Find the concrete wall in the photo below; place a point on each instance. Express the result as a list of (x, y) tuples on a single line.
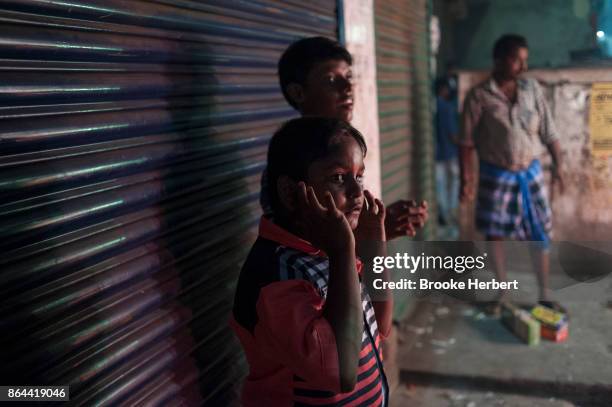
[(552, 27), (584, 210)]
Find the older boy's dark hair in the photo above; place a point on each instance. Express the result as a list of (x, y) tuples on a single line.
[(298, 144), (507, 44), (301, 56)]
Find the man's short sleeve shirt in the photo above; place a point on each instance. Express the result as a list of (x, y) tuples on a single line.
[(509, 135)]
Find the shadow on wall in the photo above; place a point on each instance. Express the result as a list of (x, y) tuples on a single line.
[(222, 208)]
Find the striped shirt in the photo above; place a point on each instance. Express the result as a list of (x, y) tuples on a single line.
[(289, 345)]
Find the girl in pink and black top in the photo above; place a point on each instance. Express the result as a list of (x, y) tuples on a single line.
[(309, 329)]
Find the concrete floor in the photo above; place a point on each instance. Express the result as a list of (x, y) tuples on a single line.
[(451, 354), (454, 397)]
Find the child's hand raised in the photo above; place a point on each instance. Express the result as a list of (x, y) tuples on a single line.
[(372, 219), (325, 226)]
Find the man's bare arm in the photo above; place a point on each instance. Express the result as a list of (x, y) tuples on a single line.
[(466, 162)]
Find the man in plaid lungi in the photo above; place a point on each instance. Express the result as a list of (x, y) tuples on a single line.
[(507, 122)]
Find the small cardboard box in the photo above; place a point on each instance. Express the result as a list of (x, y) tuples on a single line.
[(521, 323), (554, 324), (555, 334), (548, 316)]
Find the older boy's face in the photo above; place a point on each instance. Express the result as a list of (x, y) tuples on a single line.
[(328, 91), (341, 173)]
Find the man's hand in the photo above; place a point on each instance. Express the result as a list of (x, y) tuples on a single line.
[(557, 170), (371, 220), (404, 218), (467, 190), (558, 178), (325, 226)]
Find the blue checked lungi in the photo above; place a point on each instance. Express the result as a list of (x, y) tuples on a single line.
[(513, 204)]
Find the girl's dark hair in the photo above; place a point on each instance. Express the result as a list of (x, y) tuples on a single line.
[(507, 44), (298, 60), (298, 144)]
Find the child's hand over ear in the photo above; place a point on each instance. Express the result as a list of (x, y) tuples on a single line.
[(372, 220), (325, 226)]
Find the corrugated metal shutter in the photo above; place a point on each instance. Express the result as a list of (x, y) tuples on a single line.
[(132, 139), (422, 109), (404, 105)]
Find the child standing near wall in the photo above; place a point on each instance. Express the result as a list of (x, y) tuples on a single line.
[(301, 311)]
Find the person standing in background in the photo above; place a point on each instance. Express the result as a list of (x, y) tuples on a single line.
[(506, 120), (447, 166)]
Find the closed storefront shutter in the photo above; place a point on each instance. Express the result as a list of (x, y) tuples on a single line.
[(404, 105), (132, 139), (422, 109)]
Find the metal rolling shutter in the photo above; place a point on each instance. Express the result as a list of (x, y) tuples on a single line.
[(422, 109), (394, 98), (132, 139), (404, 105)]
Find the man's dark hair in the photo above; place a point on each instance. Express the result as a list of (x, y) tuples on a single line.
[(301, 56), (298, 144), (507, 44)]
